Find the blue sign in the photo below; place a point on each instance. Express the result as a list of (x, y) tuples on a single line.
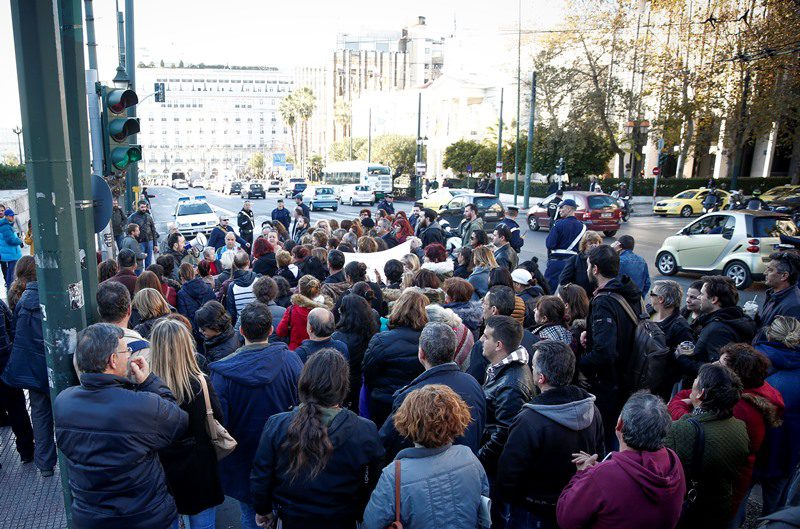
[(102, 200), (279, 159), (469, 168), (290, 167)]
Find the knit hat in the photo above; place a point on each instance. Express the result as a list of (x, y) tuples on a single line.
[(9, 212)]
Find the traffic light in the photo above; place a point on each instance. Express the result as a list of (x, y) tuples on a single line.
[(117, 127)]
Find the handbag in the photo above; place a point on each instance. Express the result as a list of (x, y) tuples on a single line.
[(695, 466), (396, 524), (223, 442)]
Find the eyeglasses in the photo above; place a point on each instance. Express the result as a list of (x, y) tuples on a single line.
[(654, 295), (126, 350)]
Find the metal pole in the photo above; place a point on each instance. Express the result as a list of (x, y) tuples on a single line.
[(369, 138), (418, 186), (738, 161), (519, 78), (71, 14), (18, 132), (37, 48), (91, 41), (499, 147), (529, 150), (132, 171)]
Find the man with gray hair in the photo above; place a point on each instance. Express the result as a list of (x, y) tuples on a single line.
[(536, 462), (118, 399), (642, 485), (320, 326), (437, 348)]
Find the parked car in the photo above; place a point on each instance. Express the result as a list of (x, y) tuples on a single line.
[(440, 197), (736, 244), (490, 209), (274, 186), (357, 194), (780, 192), (598, 211), (295, 188), (232, 188), (322, 198), (194, 215), (688, 203), (788, 204), (253, 190)]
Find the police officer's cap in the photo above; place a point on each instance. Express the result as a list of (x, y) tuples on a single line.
[(569, 202)]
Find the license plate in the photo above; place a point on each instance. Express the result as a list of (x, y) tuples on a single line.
[(606, 215)]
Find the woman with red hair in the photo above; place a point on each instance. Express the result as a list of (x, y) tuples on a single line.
[(436, 260), (264, 261), (403, 228)]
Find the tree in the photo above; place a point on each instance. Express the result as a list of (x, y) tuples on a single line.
[(289, 113), (256, 164), (342, 114), (395, 150), (340, 150), (305, 103)]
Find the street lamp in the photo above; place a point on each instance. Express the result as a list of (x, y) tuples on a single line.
[(638, 130), (18, 131)]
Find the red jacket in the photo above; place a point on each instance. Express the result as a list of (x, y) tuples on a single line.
[(759, 408), (631, 489), (293, 323), (169, 294)]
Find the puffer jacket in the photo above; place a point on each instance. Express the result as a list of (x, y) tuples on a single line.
[(253, 384), (470, 312), (536, 463), (506, 391), (193, 295), (340, 491), (479, 279), (439, 488), (114, 472), (390, 362), (147, 228), (783, 442), (295, 318), (222, 345), (240, 293), (721, 327), (10, 243), (27, 367)]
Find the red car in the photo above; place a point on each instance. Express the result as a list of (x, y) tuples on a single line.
[(597, 210)]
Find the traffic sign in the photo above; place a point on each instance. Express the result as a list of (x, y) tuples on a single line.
[(102, 200), (421, 167), (469, 168), (290, 167), (499, 168), (656, 171), (279, 159)]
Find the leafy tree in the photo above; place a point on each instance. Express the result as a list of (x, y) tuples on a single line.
[(256, 164), (340, 150), (458, 155), (396, 151), (342, 114), (290, 113)]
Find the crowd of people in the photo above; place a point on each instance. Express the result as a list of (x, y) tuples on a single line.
[(466, 390)]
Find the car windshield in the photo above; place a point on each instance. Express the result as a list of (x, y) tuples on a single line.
[(773, 227), (488, 203), (601, 201), (255, 186), (195, 209), (686, 195), (325, 191)]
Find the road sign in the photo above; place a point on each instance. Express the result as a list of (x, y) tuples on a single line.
[(160, 93), (499, 167), (102, 200), (289, 167), (656, 171), (469, 168), (279, 159), (421, 167)]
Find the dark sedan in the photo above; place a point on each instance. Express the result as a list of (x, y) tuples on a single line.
[(490, 209), (253, 191)]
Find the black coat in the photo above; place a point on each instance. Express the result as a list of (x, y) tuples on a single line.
[(145, 327), (337, 496), (356, 346), (478, 364), (506, 393), (676, 330), (575, 272), (464, 385), (6, 334), (288, 276), (530, 296), (221, 345), (190, 463), (461, 271), (110, 432), (719, 328), (536, 463), (390, 362), (266, 265), (432, 234), (338, 277)]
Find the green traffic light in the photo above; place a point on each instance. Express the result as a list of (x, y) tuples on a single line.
[(121, 157)]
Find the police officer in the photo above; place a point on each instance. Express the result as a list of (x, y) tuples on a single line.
[(509, 220), (562, 242), (553, 206), (387, 204), (247, 222)]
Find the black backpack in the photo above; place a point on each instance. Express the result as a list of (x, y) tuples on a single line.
[(648, 361)]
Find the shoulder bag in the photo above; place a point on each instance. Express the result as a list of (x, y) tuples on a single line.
[(222, 441), (396, 524), (689, 510)]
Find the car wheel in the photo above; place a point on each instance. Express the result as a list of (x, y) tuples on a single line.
[(335, 208), (739, 273), (686, 211), (533, 224), (665, 262), (351, 202), (610, 233)]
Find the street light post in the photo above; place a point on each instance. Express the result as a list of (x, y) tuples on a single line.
[(18, 132)]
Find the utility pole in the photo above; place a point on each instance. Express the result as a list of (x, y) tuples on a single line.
[(499, 167), (18, 132), (369, 138), (529, 150), (519, 80), (132, 171), (40, 75), (738, 160), (417, 171), (71, 16)]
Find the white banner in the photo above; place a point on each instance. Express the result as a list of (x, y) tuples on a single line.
[(376, 261)]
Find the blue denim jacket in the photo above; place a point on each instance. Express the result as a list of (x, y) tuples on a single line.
[(635, 267)]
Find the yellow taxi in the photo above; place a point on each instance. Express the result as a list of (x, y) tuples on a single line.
[(688, 203), (436, 200), (779, 192)]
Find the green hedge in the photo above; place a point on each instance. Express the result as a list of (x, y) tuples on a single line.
[(12, 177)]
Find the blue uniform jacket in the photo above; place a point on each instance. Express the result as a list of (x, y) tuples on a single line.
[(283, 216), (217, 237), (563, 233), (516, 241)]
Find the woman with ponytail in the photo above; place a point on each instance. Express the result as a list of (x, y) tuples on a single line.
[(316, 465), (293, 323)]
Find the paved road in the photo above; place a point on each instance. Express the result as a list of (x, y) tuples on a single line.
[(649, 232)]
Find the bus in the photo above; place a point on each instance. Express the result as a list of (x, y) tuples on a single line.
[(378, 177)]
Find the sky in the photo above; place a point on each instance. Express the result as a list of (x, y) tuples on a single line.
[(269, 32)]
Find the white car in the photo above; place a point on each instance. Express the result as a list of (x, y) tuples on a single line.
[(357, 194), (273, 186), (194, 215), (180, 183)]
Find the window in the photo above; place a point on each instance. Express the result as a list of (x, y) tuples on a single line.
[(194, 209), (773, 227), (686, 195), (488, 204), (601, 201), (712, 225), (457, 203)]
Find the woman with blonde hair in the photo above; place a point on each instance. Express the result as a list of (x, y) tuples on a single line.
[(410, 262), (293, 323), (483, 262), (151, 307), (190, 465), (431, 417), (367, 245), (390, 361), (575, 269)]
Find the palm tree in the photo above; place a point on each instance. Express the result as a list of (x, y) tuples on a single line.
[(306, 104), (288, 110), (342, 115)]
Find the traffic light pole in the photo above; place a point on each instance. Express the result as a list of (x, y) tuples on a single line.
[(70, 14), (526, 199), (40, 76), (132, 171), (499, 149)]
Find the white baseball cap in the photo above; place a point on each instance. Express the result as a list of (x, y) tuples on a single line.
[(521, 276)]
